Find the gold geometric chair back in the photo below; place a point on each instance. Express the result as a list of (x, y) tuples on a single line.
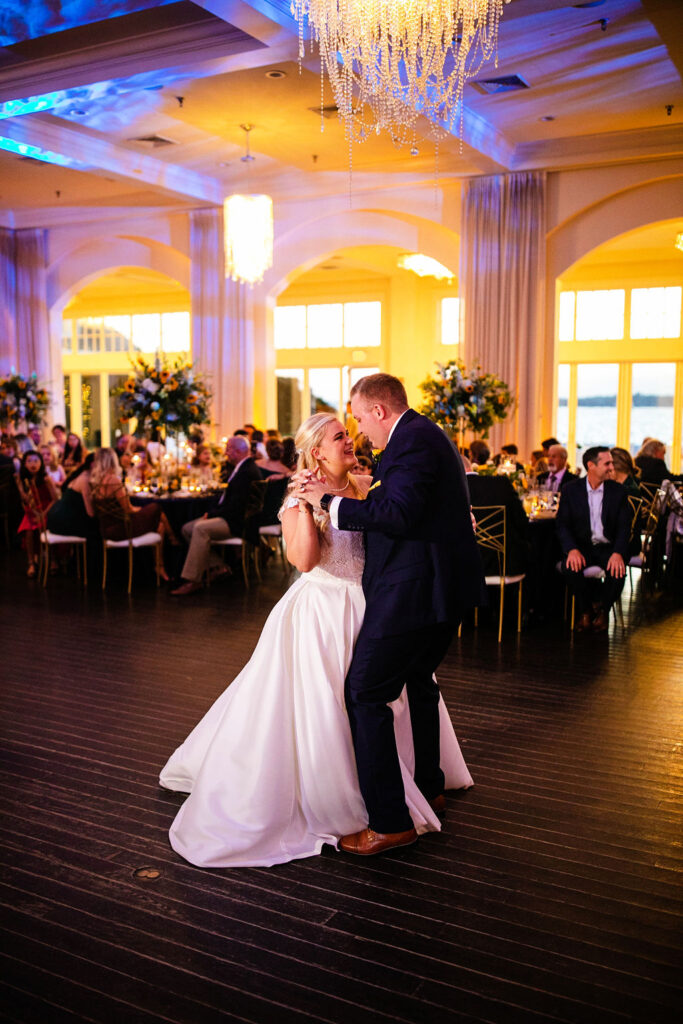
[(108, 508), (649, 494), (491, 535)]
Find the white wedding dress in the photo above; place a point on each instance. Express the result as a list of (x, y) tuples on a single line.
[(270, 769)]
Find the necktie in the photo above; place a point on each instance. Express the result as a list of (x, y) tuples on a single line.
[(553, 481)]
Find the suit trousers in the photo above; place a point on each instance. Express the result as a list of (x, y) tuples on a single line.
[(378, 672), (588, 591), (199, 533)]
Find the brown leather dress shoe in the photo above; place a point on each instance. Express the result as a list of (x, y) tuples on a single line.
[(583, 623), (438, 804), (600, 622), (366, 843), (186, 588)]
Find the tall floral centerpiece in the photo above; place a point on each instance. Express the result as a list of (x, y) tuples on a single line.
[(22, 400), (169, 397), (459, 399)]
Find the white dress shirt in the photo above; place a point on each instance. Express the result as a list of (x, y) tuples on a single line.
[(554, 484), (595, 508), (334, 504)]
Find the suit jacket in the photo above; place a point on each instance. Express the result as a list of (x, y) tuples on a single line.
[(569, 477), (652, 470), (233, 504), (497, 490), (573, 518), (421, 563)]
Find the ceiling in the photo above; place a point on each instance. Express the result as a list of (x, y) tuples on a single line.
[(139, 104)]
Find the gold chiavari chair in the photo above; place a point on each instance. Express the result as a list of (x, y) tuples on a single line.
[(492, 536)]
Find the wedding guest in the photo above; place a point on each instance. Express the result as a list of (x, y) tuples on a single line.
[(625, 471), (650, 462), (497, 490), (119, 519), (156, 449), (36, 435), (539, 463), (73, 453), (59, 435), (594, 525), (202, 467), (273, 465), (273, 435), (509, 453), (74, 514), (289, 456), (24, 443), (38, 493), (225, 518), (8, 448), (363, 466), (558, 475), (362, 446), (258, 448), (125, 462), (548, 443), (53, 467)]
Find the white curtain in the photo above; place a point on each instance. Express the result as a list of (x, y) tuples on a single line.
[(8, 289), (502, 285), (32, 324), (222, 339)]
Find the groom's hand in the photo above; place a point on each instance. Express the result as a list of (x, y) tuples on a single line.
[(309, 487)]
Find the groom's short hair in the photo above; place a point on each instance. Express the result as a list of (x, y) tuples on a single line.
[(383, 389)]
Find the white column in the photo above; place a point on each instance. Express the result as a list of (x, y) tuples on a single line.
[(105, 419), (238, 358), (55, 384), (76, 386)]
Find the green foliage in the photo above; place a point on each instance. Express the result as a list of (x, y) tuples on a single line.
[(457, 398)]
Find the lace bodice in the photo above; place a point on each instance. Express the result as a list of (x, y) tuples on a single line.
[(342, 555)]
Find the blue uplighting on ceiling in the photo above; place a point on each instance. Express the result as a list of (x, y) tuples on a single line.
[(21, 20), (36, 153), (32, 105)]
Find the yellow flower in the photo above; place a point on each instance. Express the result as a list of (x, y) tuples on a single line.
[(172, 383), (164, 376), (130, 384)]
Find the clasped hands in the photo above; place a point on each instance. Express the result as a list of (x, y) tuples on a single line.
[(615, 566), (308, 487)]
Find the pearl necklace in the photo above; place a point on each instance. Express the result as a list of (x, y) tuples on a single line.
[(338, 490)]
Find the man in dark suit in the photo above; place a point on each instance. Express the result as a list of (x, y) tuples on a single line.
[(421, 570), (225, 519), (558, 475), (497, 490), (593, 526)]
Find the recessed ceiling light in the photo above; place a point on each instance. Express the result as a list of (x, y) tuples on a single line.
[(76, 112), (547, 117), (276, 73)]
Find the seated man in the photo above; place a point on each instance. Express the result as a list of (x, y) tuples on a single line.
[(225, 519), (497, 490), (593, 526), (559, 474)]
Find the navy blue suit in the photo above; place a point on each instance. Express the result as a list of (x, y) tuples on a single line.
[(422, 568)]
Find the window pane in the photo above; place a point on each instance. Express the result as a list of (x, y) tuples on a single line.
[(290, 327), (325, 325), (362, 324), (563, 402), (596, 413), (656, 313), (146, 332), (600, 315), (175, 332), (290, 386), (88, 331), (324, 387), (116, 331), (356, 372), (450, 321), (67, 328), (567, 304), (652, 408)]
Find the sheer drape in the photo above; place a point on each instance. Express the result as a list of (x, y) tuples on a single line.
[(502, 284), (221, 324), (32, 325), (8, 286)]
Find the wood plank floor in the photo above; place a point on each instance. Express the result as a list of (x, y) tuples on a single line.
[(553, 893)]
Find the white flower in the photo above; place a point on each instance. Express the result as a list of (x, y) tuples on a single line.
[(150, 386)]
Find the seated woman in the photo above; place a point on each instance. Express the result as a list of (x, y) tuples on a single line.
[(52, 465), (272, 465), (650, 462), (202, 467), (74, 514), (625, 471), (73, 453), (118, 519), (38, 493)]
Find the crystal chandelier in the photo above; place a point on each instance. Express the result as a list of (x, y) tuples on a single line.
[(248, 232), (679, 241), (390, 61)]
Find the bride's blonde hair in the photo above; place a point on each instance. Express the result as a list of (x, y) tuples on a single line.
[(309, 436)]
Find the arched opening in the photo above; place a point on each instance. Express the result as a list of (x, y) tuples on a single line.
[(122, 313), (355, 312), (619, 343)]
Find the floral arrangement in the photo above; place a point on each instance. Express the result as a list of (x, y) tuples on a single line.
[(459, 399), (22, 399), (160, 395)]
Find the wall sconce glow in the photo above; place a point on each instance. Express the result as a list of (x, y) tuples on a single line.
[(36, 153), (679, 241), (248, 237), (425, 266)]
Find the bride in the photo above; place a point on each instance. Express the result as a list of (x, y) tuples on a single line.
[(270, 769)]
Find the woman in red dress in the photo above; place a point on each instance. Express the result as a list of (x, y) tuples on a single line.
[(38, 494)]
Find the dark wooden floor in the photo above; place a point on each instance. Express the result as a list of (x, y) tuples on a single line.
[(553, 894)]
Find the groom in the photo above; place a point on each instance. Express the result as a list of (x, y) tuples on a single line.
[(422, 569)]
